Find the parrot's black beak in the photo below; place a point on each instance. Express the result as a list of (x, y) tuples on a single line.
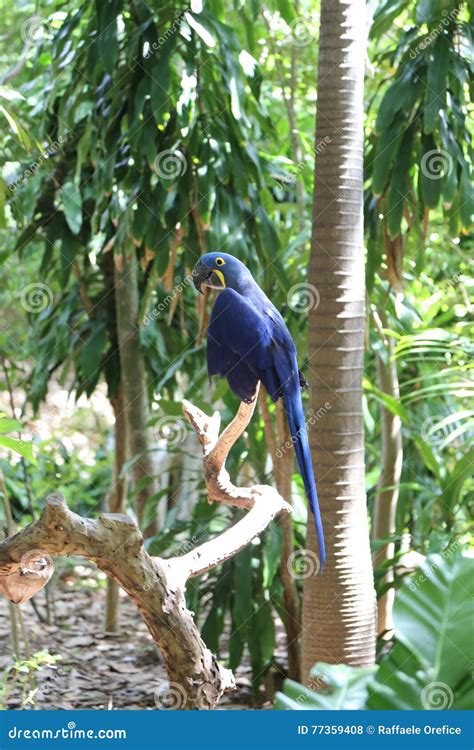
[(201, 273)]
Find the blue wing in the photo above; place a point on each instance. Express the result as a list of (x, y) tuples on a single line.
[(248, 342), (238, 343)]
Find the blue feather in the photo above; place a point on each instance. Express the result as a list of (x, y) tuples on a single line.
[(296, 421), (249, 341)]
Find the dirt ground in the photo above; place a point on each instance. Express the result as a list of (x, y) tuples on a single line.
[(98, 670)]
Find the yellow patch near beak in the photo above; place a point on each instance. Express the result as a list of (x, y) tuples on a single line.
[(220, 275)]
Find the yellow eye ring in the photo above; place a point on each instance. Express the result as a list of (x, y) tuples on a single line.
[(220, 261)]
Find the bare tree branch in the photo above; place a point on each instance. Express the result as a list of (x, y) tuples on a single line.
[(157, 586)]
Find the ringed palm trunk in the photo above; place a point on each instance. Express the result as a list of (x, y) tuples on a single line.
[(339, 605)]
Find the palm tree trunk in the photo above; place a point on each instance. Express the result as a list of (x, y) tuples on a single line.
[(339, 605)]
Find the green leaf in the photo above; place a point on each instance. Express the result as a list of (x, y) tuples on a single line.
[(69, 249), (271, 552), (161, 78), (387, 149), (91, 353), (399, 186), (287, 10), (432, 168), (342, 687), (455, 480), (200, 30), (107, 11), (236, 649), (22, 447), (437, 78), (263, 627), (9, 425), (427, 668), (467, 196), (243, 608), (72, 206)]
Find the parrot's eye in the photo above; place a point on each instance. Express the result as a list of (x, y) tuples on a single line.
[(220, 261)]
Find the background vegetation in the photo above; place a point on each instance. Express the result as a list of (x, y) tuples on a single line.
[(136, 136)]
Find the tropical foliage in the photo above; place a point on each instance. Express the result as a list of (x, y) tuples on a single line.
[(166, 130)]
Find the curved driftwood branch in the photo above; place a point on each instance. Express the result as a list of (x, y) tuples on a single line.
[(157, 586)]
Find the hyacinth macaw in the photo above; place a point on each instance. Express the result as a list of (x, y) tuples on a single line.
[(249, 341)]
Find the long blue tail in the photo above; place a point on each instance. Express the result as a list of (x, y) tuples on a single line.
[(296, 421)]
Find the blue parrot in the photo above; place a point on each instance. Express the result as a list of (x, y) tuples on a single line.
[(249, 341)]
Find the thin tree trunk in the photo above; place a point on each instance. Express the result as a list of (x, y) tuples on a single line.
[(283, 470), (339, 605), (117, 499), (134, 386), (386, 499)]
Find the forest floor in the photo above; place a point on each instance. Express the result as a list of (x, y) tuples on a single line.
[(96, 670)]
